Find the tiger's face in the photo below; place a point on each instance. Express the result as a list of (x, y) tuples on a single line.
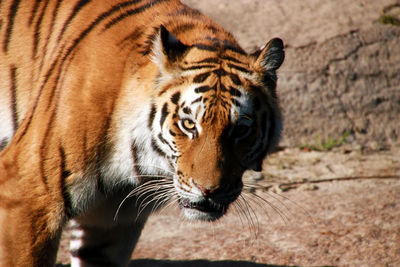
[(213, 120), (212, 114)]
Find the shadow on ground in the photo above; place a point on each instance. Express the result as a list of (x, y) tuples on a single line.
[(191, 263)]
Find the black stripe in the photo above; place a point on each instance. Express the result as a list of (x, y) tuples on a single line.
[(164, 114), (206, 47), (197, 67), (225, 57), (175, 98), (220, 72), (239, 68), (216, 41), (223, 88), (36, 34), (3, 143), (64, 188), (161, 138), (42, 150), (201, 77), (52, 93), (187, 110), (236, 103), (13, 93), (34, 11), (135, 157), (149, 42), (11, 17), (202, 89), (74, 12), (235, 79), (152, 115), (182, 28), (235, 92), (53, 19), (212, 29), (175, 115), (186, 12), (197, 100), (233, 47), (208, 60), (131, 12), (156, 148)]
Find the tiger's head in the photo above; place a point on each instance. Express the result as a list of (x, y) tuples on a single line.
[(213, 115)]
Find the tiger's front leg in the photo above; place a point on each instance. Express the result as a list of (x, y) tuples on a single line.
[(99, 238), (103, 246)]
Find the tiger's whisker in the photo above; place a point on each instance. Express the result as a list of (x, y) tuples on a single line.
[(275, 208), (154, 167), (297, 205), (238, 211), (244, 212), (262, 207), (133, 192), (143, 204), (163, 198), (253, 216)]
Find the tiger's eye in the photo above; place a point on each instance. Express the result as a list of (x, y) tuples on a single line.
[(188, 124)]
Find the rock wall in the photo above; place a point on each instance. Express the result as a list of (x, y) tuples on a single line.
[(350, 83)]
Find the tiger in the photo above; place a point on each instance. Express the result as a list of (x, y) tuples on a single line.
[(111, 110)]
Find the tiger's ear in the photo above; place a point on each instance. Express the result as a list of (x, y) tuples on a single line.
[(172, 47), (269, 58), (167, 49)]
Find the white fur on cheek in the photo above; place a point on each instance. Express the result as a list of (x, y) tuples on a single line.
[(197, 108), (129, 123)]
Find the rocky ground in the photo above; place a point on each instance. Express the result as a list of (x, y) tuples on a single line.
[(331, 196)]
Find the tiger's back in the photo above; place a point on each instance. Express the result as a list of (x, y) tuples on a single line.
[(99, 97)]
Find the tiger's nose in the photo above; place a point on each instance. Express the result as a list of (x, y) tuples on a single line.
[(206, 190)]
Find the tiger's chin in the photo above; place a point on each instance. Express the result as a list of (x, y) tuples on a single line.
[(203, 211)]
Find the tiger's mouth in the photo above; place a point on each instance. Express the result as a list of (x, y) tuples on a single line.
[(206, 210)]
